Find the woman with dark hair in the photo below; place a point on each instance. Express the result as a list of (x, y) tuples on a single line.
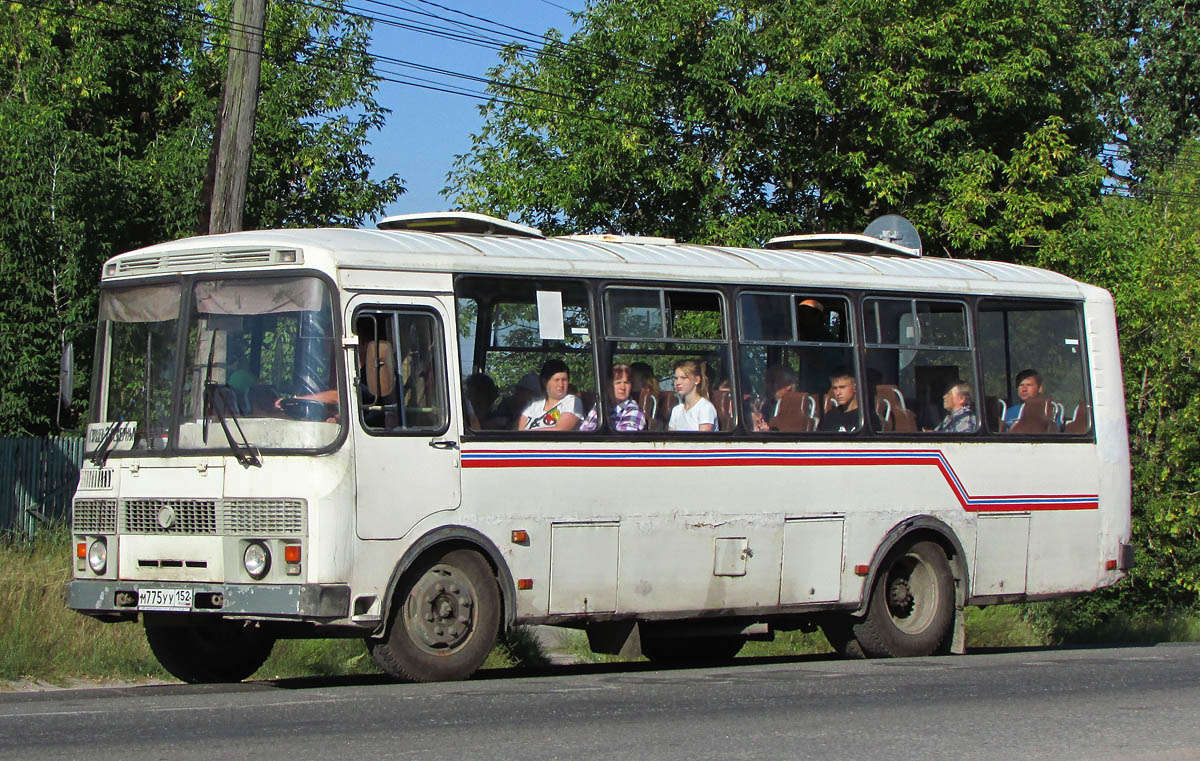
[(557, 410)]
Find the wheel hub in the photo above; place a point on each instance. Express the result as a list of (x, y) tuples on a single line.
[(900, 598), (440, 610)]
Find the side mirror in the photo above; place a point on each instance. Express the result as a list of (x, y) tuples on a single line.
[(66, 380)]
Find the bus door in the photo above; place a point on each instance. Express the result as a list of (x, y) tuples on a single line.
[(405, 439)]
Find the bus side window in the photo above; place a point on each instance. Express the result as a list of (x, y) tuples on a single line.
[(920, 366), (511, 330), (1033, 368), (791, 347), (400, 384)]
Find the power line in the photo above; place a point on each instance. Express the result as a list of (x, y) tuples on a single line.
[(395, 78)]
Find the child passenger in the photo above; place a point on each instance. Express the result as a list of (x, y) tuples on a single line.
[(694, 412)]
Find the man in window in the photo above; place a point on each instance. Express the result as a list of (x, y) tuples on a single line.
[(844, 416), (1029, 386)]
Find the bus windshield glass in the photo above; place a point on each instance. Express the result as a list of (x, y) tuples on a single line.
[(139, 327), (258, 366)]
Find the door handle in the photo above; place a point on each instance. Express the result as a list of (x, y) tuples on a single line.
[(444, 444)]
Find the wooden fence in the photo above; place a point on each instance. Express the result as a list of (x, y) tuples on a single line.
[(37, 480)]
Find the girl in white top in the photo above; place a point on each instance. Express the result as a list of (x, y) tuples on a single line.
[(558, 410), (694, 412)]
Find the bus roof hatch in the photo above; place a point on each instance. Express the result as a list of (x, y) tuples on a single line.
[(889, 235), (457, 222)]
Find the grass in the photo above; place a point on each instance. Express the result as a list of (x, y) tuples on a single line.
[(41, 640)]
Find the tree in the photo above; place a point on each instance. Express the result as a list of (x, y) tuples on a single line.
[(1152, 105), (1146, 250), (106, 114), (720, 123)]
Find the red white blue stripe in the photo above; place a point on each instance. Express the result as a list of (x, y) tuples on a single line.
[(688, 458)]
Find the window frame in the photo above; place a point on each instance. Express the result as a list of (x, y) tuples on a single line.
[(1077, 306), (440, 370)]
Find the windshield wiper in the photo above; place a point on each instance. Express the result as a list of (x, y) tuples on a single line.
[(214, 400), (209, 388), (246, 453), (100, 456)]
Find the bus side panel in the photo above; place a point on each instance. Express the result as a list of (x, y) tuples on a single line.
[(1112, 431)]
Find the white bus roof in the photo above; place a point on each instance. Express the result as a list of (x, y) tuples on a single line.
[(331, 249)]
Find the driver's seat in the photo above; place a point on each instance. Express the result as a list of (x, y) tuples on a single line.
[(379, 394)]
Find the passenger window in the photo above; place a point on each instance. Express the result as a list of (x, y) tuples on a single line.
[(400, 375), (792, 347), (920, 372), (526, 353), (1033, 370), (673, 342)]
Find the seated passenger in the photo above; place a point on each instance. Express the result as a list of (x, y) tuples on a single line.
[(558, 410), (1029, 386), (845, 415), (625, 415), (694, 412), (961, 417), (780, 380), (758, 421), (481, 393)]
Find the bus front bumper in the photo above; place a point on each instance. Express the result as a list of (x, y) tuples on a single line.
[(295, 602)]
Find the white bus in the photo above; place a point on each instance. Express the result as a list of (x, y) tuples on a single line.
[(425, 434)]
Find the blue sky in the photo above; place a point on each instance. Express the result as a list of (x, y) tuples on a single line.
[(426, 129)]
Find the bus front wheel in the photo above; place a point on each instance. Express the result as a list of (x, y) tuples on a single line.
[(911, 611), (444, 622), (208, 652)]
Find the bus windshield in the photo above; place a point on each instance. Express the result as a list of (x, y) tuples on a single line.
[(257, 358)]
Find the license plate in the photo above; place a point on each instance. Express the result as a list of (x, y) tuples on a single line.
[(164, 599)]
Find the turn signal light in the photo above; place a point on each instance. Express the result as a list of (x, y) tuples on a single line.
[(1111, 565), (520, 536), (81, 550), (524, 583), (291, 553), (862, 570)]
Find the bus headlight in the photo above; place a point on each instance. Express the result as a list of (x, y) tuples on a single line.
[(256, 559), (97, 555)]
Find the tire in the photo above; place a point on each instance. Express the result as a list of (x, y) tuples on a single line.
[(211, 651), (444, 620), (839, 630), (691, 651), (912, 604)]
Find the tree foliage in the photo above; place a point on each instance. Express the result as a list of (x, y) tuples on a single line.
[(1152, 105), (1146, 250), (106, 117), (728, 123)]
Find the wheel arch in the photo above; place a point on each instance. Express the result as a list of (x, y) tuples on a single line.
[(917, 528), (445, 539)]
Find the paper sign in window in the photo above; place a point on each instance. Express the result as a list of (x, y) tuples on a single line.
[(550, 316)]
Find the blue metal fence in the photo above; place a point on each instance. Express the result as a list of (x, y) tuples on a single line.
[(37, 480)]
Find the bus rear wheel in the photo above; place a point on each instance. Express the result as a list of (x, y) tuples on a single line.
[(211, 651), (912, 604), (444, 622)]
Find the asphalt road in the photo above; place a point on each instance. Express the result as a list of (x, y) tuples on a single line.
[(1098, 704)]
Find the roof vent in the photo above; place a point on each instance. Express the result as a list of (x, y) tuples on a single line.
[(889, 235), (645, 240), (457, 222)]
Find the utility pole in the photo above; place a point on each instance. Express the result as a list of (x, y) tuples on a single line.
[(229, 159)]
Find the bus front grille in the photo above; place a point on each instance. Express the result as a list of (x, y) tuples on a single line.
[(170, 516), (263, 517), (209, 517), (94, 516)]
